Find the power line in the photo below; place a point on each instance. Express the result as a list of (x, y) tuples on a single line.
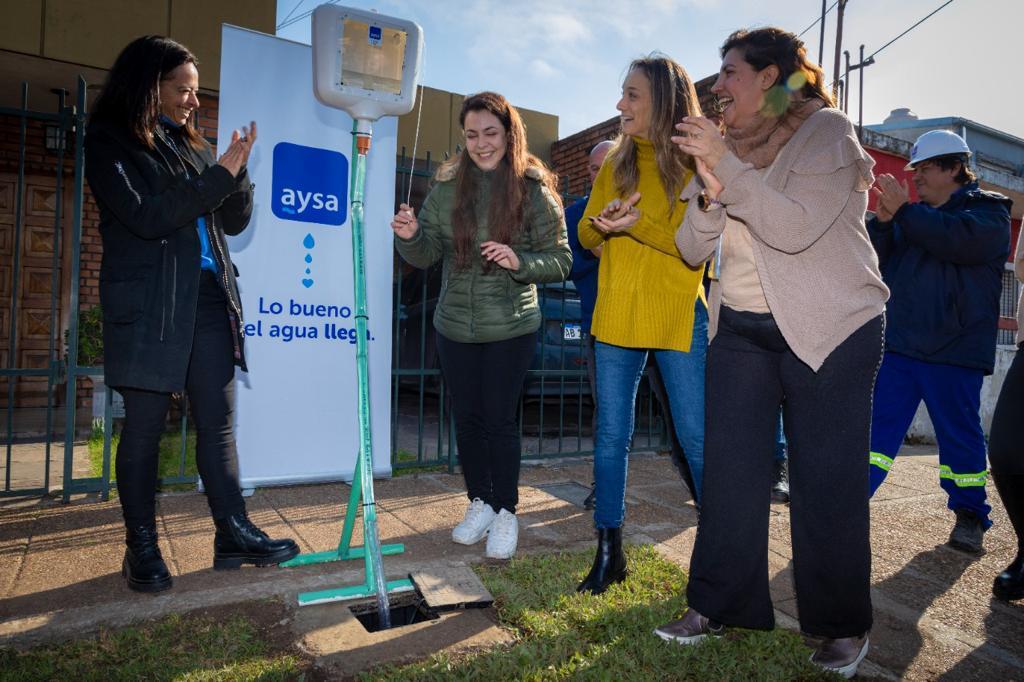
[(870, 58), (818, 20), (289, 16), (948, 2), (300, 17)]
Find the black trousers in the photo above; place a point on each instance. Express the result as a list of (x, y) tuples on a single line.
[(1006, 438), (1006, 445), (210, 386), (486, 382), (750, 372)]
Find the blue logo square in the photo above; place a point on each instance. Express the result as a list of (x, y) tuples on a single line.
[(310, 185)]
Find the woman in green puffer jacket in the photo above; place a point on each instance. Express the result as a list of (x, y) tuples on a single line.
[(495, 220)]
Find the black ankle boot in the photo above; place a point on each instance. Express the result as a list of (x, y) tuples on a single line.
[(1009, 584), (609, 563), (239, 542), (143, 566)]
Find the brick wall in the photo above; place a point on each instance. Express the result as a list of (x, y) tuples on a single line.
[(569, 156)]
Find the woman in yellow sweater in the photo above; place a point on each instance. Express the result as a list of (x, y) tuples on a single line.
[(648, 298)]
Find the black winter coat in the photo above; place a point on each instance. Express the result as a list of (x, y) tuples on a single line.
[(149, 201), (944, 267)]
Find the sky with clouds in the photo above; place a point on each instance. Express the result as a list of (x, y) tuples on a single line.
[(568, 57)]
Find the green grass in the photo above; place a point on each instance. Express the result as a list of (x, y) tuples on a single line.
[(402, 467), (170, 454), (180, 648), (561, 635)]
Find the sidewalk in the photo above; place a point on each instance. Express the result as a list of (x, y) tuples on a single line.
[(60, 565)]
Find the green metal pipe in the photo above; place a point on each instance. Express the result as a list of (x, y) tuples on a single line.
[(76, 266), (12, 336), (54, 279), (371, 539)]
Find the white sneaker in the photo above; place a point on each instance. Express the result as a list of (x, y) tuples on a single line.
[(475, 524), (503, 536)]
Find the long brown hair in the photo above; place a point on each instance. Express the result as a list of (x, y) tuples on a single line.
[(672, 97), (799, 78), (130, 99), (509, 184)]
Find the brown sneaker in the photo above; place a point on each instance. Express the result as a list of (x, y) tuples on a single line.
[(690, 629), (841, 655)]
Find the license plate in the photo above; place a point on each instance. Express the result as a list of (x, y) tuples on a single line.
[(572, 332)]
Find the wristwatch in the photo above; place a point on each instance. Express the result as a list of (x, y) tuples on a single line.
[(706, 203)]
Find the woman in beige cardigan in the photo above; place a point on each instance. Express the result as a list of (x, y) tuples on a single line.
[(796, 319)]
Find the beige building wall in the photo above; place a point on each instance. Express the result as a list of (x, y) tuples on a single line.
[(50, 42), (91, 33)]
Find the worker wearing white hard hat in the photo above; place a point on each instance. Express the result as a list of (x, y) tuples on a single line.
[(936, 143), (943, 259)]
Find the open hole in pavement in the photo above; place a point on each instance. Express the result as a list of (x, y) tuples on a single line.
[(405, 610)]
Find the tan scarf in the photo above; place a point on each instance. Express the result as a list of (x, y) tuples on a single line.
[(760, 141)]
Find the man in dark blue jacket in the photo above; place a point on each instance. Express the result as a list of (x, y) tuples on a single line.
[(943, 259)]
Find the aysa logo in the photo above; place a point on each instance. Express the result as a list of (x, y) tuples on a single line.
[(310, 185)]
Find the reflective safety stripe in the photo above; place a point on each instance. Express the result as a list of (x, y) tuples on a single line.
[(879, 460), (964, 480)]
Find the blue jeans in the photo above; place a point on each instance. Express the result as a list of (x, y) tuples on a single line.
[(618, 371), (780, 441)]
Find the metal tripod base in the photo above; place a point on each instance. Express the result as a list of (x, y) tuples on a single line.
[(335, 555), (352, 592)]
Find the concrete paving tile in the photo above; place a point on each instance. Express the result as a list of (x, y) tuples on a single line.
[(903, 528), (650, 469), (581, 471), (924, 650), (74, 556), (914, 473)]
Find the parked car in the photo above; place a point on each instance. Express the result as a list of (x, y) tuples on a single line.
[(558, 365)]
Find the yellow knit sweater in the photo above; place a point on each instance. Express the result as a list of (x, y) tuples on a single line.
[(645, 292)]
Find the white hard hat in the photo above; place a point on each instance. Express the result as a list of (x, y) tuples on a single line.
[(936, 143)]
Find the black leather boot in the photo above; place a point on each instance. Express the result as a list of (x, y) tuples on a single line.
[(238, 541), (1009, 584), (609, 563), (143, 566)]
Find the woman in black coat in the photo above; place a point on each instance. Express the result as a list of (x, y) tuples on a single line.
[(172, 317)]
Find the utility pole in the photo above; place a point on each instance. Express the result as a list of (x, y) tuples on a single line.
[(821, 34), (840, 9), (860, 97)]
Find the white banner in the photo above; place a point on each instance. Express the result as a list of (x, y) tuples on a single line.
[(297, 416)]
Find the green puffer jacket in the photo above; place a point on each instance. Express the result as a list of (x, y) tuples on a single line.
[(475, 306)]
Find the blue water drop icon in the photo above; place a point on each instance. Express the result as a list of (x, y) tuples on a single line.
[(308, 242), (309, 258), (307, 271)]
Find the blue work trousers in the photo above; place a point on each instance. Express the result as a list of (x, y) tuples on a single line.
[(953, 397)]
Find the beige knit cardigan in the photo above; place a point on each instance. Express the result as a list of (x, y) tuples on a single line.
[(817, 267)]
